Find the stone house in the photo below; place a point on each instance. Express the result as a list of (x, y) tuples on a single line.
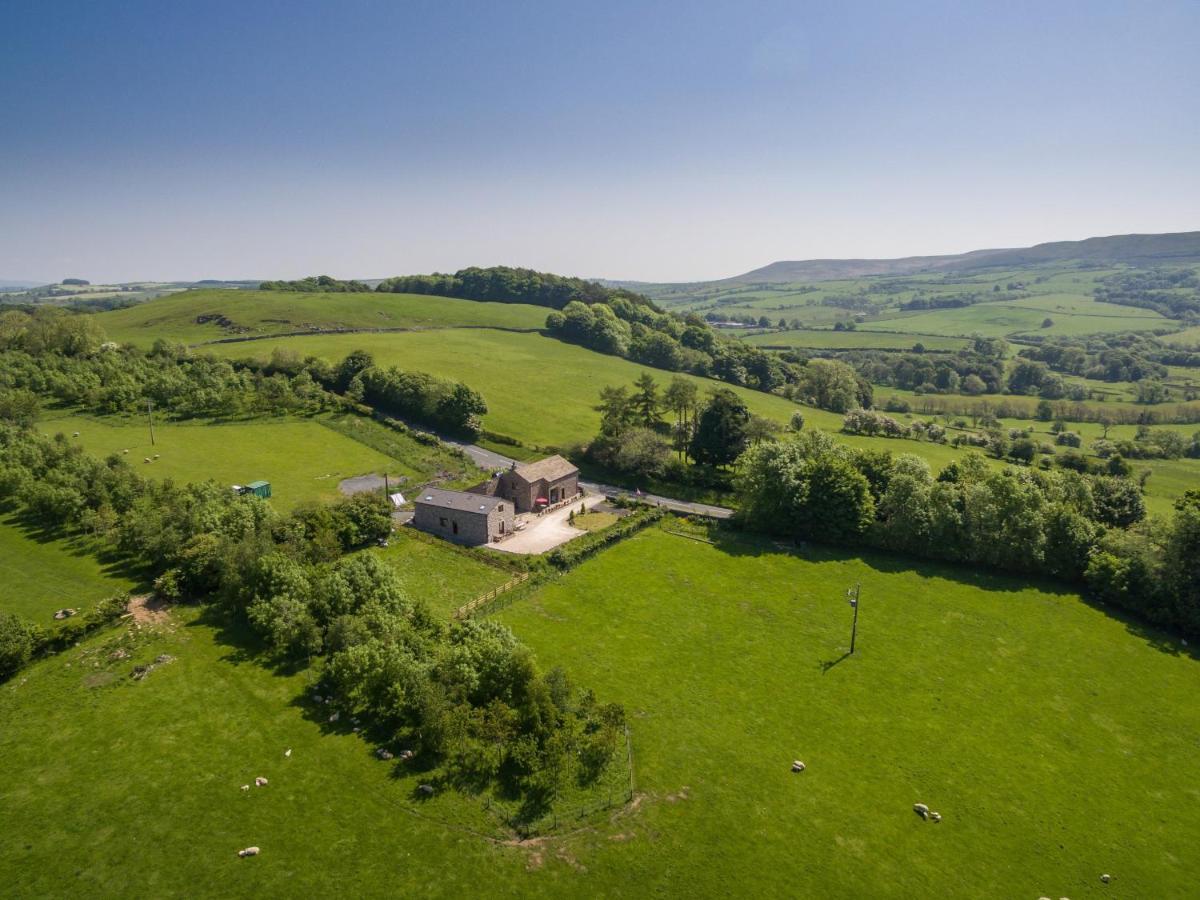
[(463, 517), (533, 486)]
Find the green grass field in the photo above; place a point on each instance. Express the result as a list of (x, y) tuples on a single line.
[(442, 574), (538, 389), (1057, 742), (301, 458), (271, 312), (1001, 319), (1189, 337), (1062, 293), (39, 575), (853, 340)]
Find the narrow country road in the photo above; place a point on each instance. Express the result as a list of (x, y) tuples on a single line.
[(488, 459)]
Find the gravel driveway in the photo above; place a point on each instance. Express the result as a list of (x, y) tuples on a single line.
[(546, 532)]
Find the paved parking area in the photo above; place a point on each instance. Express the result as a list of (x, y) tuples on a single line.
[(542, 533)]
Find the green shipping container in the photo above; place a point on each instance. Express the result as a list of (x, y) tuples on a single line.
[(258, 488)]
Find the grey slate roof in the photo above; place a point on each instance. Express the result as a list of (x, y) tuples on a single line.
[(458, 500)]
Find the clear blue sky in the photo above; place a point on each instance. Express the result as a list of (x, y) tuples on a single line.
[(660, 141)]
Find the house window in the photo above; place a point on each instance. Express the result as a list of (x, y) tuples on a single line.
[(500, 507), (442, 521)]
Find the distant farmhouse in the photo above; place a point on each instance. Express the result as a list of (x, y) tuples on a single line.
[(485, 513), (534, 486)]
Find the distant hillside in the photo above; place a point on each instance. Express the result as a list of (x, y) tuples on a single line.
[(1128, 249)]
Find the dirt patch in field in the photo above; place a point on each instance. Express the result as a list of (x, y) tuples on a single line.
[(148, 609)]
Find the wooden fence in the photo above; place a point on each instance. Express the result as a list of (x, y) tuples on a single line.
[(465, 611)]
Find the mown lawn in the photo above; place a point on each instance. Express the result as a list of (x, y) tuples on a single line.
[(1057, 742), (301, 458), (40, 574), (272, 312)]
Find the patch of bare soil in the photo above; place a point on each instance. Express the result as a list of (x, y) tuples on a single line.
[(147, 609)]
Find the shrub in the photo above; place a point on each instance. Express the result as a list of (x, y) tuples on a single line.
[(18, 642)]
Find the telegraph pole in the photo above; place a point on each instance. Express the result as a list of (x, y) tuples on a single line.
[(150, 419), (853, 593)]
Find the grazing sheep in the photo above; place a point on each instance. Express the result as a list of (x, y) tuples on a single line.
[(249, 851), (797, 766), (426, 789), (383, 753), (260, 781), (936, 816), (334, 717), (921, 809), (245, 787), (1106, 878), (287, 752), (146, 459)]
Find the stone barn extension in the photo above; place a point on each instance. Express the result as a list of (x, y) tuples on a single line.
[(463, 517)]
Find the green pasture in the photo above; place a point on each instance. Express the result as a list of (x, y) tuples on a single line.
[(255, 313), (40, 574), (538, 389), (853, 340), (442, 574), (1000, 319), (1057, 741), (1189, 337), (561, 415), (301, 458), (121, 788), (1038, 726)]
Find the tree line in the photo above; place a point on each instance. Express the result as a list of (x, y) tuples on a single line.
[(317, 284), (1060, 523)]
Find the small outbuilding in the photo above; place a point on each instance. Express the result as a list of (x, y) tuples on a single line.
[(256, 488), (463, 517)]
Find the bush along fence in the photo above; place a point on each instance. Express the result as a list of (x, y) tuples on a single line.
[(570, 555)]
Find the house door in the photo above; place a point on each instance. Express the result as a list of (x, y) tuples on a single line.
[(502, 526)]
